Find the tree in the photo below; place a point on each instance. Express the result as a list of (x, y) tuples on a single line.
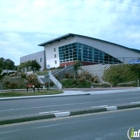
[(7, 64), (35, 65), (1, 62), (21, 66), (30, 65)]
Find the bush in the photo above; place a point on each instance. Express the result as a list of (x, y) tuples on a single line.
[(101, 85), (47, 84), (32, 79), (67, 75), (85, 76), (19, 81), (94, 79), (23, 75), (122, 73), (12, 85), (73, 83), (6, 84)]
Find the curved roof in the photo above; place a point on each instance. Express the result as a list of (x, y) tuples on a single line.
[(72, 35)]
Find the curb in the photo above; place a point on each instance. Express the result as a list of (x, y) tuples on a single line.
[(72, 113)]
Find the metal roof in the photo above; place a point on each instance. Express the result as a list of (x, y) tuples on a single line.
[(72, 35)]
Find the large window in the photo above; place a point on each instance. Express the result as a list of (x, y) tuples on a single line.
[(82, 52)]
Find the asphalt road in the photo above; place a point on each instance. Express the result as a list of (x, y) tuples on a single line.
[(102, 126), (29, 107)]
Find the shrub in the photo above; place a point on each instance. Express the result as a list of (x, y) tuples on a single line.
[(101, 85), (85, 76), (47, 84), (67, 75), (71, 76), (12, 85), (6, 84), (23, 75), (73, 83), (121, 73), (94, 79), (32, 79)]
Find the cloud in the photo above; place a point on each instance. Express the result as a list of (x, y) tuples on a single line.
[(25, 24), (13, 45)]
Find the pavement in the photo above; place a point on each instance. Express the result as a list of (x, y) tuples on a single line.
[(75, 92)]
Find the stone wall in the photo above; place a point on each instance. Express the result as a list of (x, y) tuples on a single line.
[(96, 70)]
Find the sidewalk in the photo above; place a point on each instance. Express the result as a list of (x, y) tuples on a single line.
[(92, 91), (80, 91)]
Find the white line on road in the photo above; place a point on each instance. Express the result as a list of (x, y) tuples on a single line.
[(110, 108), (98, 106), (135, 102), (62, 114), (49, 112)]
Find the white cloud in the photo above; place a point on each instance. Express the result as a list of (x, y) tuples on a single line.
[(27, 23)]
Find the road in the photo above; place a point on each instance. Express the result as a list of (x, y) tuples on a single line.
[(102, 126), (29, 107)]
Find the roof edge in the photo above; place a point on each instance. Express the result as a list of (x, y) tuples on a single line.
[(72, 34), (57, 39)]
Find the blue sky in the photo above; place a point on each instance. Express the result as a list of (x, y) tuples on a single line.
[(26, 23)]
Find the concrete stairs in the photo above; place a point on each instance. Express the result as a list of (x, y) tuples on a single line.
[(52, 76)]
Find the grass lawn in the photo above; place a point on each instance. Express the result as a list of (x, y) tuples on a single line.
[(29, 93)]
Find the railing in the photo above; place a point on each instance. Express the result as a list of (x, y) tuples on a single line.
[(56, 82)]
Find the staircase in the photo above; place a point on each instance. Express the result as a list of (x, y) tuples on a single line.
[(51, 76)]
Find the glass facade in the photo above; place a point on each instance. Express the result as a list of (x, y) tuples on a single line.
[(85, 53)]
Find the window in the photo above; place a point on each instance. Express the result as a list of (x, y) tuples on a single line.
[(54, 49), (55, 61), (40, 59), (54, 55), (78, 51)]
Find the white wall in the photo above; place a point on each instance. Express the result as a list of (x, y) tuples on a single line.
[(49, 49)]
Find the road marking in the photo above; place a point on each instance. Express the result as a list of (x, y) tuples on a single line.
[(135, 102), (11, 131), (110, 108), (62, 114), (49, 112), (98, 106)]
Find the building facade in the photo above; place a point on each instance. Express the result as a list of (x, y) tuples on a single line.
[(38, 56), (66, 49)]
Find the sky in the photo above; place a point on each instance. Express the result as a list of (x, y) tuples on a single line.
[(26, 23)]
